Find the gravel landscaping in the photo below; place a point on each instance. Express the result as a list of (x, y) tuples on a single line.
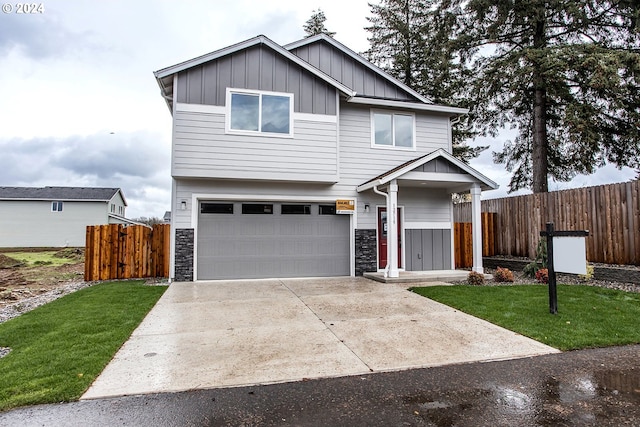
[(16, 309)]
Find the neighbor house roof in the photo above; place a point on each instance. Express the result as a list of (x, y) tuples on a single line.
[(98, 194)]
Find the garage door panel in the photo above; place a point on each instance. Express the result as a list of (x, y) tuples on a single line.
[(240, 245)]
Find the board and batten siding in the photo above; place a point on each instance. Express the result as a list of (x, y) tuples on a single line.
[(203, 149), (256, 68), (350, 72), (29, 223)]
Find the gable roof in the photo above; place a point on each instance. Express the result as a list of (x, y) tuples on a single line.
[(409, 166), (96, 194), (318, 38), (164, 76)]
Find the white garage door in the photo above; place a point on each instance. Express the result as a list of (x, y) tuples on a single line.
[(248, 240)]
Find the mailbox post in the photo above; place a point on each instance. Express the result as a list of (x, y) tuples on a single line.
[(572, 259)]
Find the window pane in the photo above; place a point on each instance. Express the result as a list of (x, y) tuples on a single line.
[(296, 209), (257, 209), (382, 129), (216, 208), (244, 111), (403, 127), (275, 114), (327, 209)]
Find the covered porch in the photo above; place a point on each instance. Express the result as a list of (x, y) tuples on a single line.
[(438, 171)]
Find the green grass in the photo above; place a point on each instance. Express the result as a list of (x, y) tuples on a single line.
[(32, 259), (60, 348), (588, 316)]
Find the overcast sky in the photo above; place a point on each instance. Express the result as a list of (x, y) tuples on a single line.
[(79, 104)]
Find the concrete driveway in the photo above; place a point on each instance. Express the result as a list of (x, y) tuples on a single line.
[(234, 333)]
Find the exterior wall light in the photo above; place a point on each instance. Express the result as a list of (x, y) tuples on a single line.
[(183, 205), (366, 208)]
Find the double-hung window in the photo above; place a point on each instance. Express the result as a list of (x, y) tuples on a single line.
[(267, 113), (392, 130)]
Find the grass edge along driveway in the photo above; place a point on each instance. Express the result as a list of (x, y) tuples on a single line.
[(588, 316), (58, 349)]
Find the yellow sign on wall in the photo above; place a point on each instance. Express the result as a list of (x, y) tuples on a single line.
[(345, 206)]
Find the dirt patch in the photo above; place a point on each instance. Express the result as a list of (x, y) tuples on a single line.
[(8, 262), (19, 281)]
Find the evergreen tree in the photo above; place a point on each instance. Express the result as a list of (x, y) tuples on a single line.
[(409, 41), (315, 24), (564, 73)]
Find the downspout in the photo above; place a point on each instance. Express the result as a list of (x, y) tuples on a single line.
[(386, 196)]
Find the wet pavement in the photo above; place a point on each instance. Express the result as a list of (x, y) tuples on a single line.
[(598, 387)]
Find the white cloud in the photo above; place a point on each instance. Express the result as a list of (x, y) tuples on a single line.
[(83, 69)]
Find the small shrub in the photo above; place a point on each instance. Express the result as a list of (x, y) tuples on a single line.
[(503, 275), (542, 275), (475, 279), (531, 269), (587, 277), (541, 252)]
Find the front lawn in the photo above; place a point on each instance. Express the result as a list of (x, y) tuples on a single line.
[(588, 316), (59, 349)]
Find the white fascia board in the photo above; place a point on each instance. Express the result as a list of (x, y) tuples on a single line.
[(246, 44), (426, 159), (408, 105), (357, 58), (121, 195)]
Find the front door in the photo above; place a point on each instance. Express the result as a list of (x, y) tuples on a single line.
[(382, 238)]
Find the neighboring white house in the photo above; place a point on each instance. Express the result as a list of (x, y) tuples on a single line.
[(56, 216), (286, 161)]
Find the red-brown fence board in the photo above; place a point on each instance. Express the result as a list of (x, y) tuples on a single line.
[(117, 252), (610, 212), (463, 240)]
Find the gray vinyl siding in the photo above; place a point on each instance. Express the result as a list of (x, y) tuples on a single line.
[(256, 68), (349, 72), (201, 148), (425, 205), (358, 164), (32, 224), (440, 166)]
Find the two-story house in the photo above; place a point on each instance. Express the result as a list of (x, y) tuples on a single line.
[(56, 216), (307, 160)]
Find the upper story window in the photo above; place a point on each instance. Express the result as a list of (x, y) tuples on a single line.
[(267, 113), (56, 206), (392, 130)]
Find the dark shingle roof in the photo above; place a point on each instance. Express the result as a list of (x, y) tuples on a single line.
[(57, 193)]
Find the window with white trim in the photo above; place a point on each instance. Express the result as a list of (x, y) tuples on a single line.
[(268, 113), (56, 206), (392, 130)]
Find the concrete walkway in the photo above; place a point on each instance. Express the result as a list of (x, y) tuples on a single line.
[(234, 333)]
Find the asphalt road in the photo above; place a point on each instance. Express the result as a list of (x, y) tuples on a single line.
[(599, 387)]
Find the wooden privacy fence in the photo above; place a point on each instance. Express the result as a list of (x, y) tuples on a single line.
[(610, 212), (463, 241), (117, 252)]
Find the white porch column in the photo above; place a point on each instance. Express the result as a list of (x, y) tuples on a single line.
[(392, 229), (476, 227)]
